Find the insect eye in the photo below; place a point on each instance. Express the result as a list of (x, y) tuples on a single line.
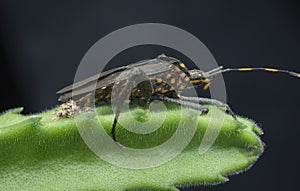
[(196, 74)]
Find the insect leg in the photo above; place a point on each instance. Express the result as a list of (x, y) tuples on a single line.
[(209, 101), (113, 129), (124, 92), (204, 110)]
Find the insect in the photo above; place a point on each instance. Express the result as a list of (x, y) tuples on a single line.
[(167, 78)]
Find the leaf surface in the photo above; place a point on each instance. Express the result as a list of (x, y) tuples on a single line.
[(37, 153)]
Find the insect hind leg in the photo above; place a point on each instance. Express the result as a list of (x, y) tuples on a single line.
[(133, 76)]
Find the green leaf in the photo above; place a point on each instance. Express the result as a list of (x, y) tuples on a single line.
[(37, 153)]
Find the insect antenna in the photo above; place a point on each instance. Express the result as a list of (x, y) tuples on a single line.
[(220, 70)]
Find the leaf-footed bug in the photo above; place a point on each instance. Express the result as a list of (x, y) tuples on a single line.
[(167, 77)]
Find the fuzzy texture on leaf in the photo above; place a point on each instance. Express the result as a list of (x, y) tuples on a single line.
[(39, 154)]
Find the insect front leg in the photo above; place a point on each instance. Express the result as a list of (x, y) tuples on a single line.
[(196, 106), (210, 101)]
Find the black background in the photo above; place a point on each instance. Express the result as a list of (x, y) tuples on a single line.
[(42, 43)]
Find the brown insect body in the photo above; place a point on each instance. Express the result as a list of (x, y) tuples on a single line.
[(166, 74), (166, 78)]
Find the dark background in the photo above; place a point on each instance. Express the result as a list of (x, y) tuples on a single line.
[(42, 43)]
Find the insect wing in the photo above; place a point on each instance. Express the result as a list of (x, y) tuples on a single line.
[(108, 78)]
